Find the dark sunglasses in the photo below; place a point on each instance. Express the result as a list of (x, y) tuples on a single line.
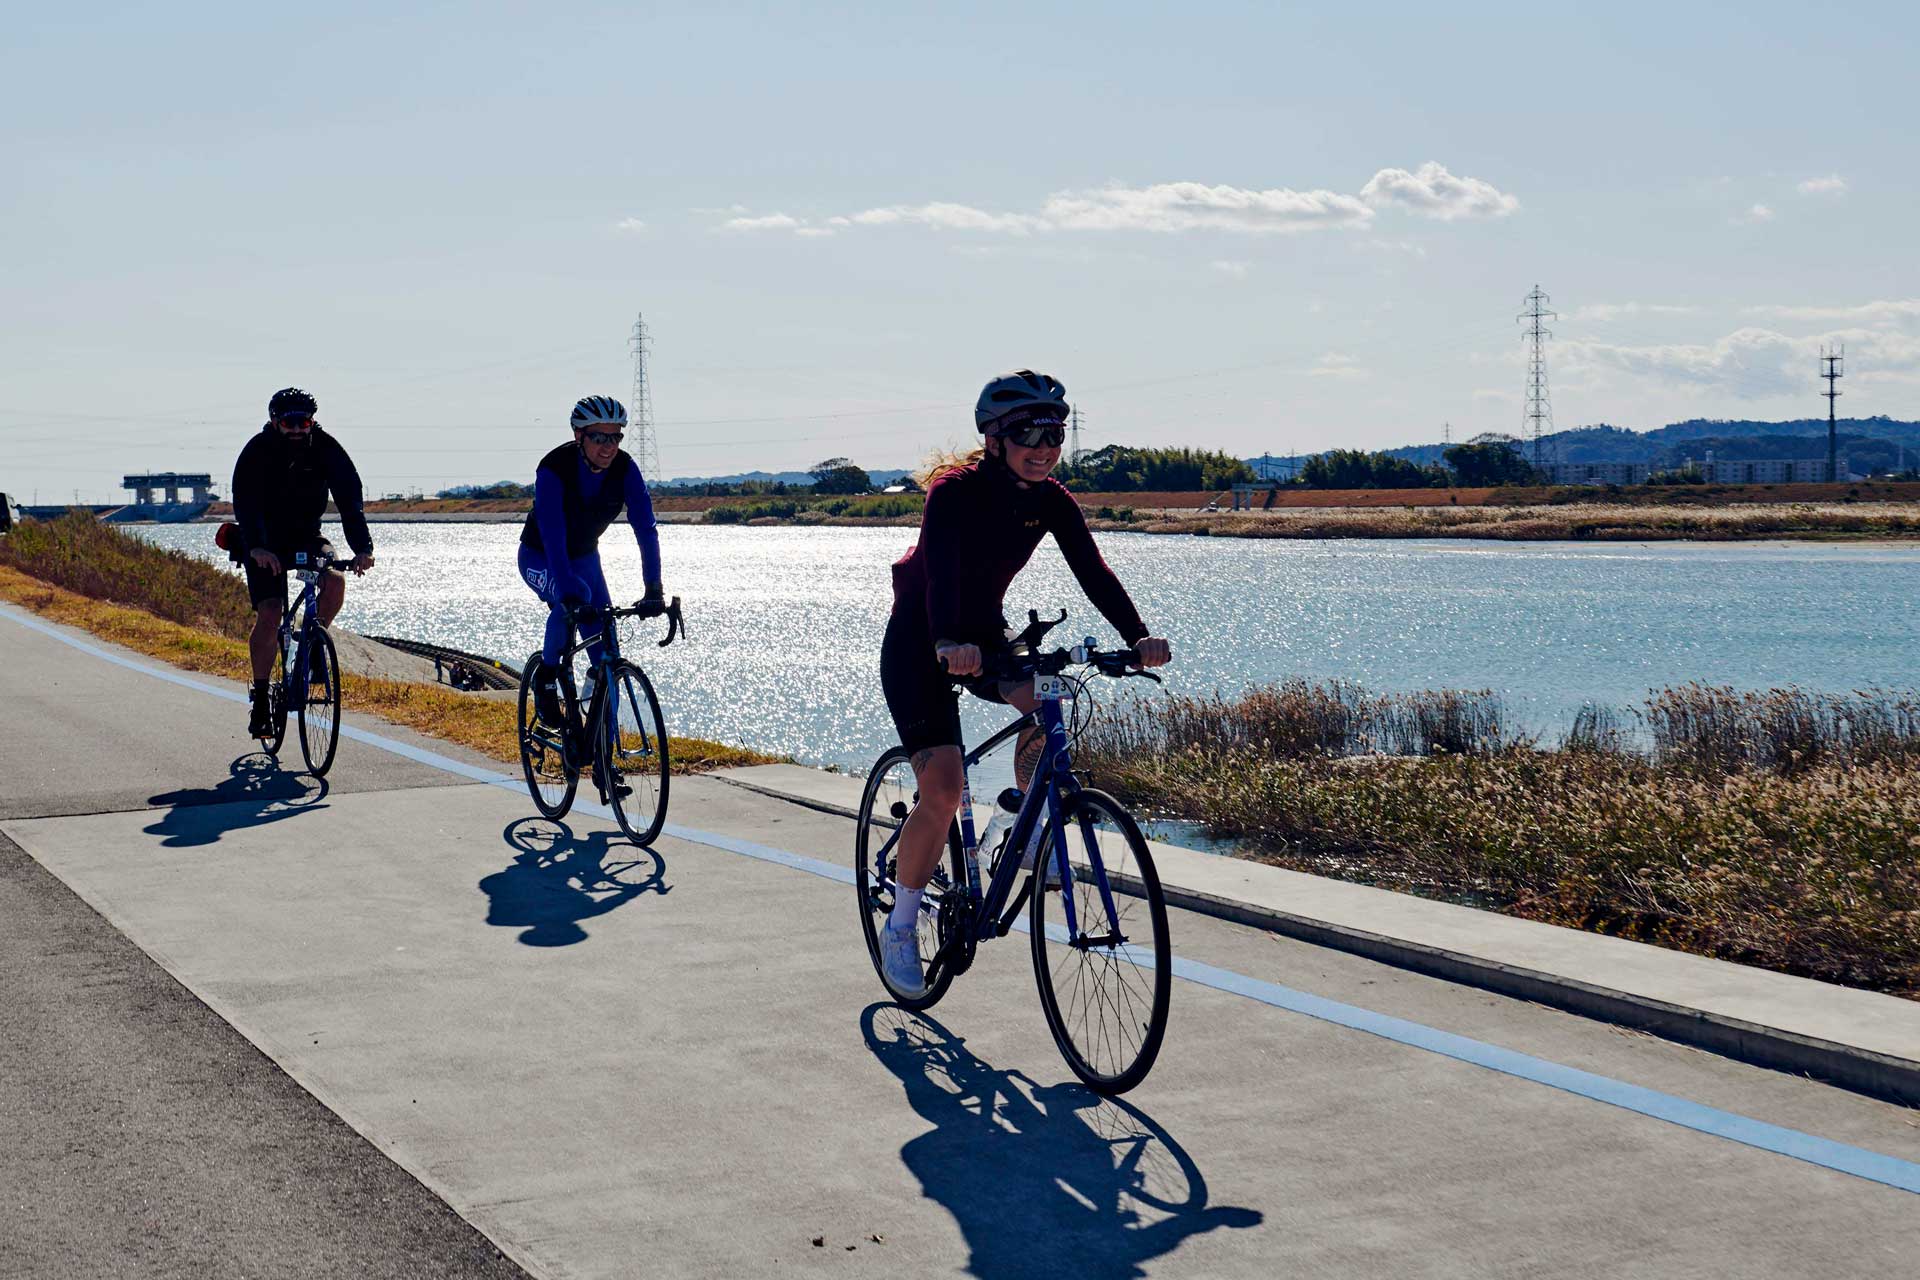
[(1035, 435), (603, 437), (295, 422)]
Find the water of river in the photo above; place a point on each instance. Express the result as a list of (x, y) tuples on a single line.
[(785, 623)]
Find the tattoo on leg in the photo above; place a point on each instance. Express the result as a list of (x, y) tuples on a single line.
[(1026, 757), (919, 760)]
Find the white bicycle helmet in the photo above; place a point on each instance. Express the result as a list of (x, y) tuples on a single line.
[(599, 411)]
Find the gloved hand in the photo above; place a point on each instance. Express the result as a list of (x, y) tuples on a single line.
[(654, 603), (574, 593)]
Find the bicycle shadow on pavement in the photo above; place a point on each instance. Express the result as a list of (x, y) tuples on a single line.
[(558, 878), (256, 792), (1049, 1180)]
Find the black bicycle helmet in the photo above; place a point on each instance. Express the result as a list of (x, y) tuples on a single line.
[(290, 401), (1021, 389)]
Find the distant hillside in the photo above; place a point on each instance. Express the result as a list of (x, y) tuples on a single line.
[(1865, 444)]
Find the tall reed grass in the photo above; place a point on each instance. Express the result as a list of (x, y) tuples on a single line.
[(1780, 828)]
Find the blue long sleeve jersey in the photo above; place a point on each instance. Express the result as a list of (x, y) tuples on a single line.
[(549, 513)]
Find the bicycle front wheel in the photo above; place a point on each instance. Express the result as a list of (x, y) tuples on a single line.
[(1104, 988), (277, 695), (319, 703), (890, 794), (632, 754), (543, 752)]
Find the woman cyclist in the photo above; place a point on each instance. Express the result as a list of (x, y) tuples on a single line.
[(579, 490), (983, 519)]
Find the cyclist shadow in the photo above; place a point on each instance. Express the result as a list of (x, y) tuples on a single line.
[(1049, 1181), (256, 792), (557, 879)]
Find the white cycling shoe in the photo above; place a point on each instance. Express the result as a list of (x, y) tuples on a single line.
[(900, 960)]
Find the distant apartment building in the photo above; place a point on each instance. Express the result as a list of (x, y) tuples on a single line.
[(1713, 470), (1766, 471), (1598, 472)]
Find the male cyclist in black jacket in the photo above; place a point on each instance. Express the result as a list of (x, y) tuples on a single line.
[(280, 488)]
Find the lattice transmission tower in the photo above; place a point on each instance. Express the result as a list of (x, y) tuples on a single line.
[(641, 442), (1832, 359), (1539, 414)]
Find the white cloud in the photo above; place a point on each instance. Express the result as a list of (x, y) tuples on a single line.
[(1888, 312), (813, 233), (1395, 246), (1758, 213), (1173, 207), (1601, 312), (1750, 363), (1226, 267), (1831, 185), (1191, 206), (1336, 365), (1432, 192), (630, 225), (943, 216), (766, 222)]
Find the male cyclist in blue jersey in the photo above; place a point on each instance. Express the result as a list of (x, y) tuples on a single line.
[(579, 490), (985, 515)]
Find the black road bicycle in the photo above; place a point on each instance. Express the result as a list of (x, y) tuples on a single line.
[(618, 735), (1100, 951), (307, 684)]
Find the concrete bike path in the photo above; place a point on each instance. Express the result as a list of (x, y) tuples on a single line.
[(615, 1062)]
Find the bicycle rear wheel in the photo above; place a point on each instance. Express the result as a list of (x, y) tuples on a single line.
[(1105, 990), (890, 794), (632, 750), (543, 755), (319, 704)]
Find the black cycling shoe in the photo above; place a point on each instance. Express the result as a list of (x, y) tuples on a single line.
[(546, 701), (620, 787), (317, 665), (260, 719)]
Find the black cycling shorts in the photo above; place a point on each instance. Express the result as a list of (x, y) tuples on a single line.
[(925, 704), (264, 587)]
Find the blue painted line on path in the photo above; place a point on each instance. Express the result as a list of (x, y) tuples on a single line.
[(1838, 1156)]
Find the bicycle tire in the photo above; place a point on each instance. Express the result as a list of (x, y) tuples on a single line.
[(632, 748), (550, 780), (1127, 995), (873, 875), (277, 698), (319, 720)]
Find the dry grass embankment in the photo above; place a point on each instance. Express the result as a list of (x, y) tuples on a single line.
[(1777, 829), (170, 606)]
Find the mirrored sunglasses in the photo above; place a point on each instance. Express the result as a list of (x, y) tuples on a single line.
[(1035, 435), (603, 437)]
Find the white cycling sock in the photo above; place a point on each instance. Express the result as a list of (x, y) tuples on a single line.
[(906, 908)]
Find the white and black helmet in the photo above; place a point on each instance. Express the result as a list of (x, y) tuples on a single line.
[(1011, 393), (599, 411)]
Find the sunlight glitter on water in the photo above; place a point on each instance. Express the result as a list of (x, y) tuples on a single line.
[(785, 623)]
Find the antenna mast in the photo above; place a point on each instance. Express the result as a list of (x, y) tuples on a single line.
[(1833, 375), (640, 438), (1539, 416)]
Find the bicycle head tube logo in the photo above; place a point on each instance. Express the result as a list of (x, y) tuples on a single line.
[(299, 557)]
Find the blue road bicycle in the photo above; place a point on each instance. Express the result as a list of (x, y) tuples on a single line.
[(1099, 925), (308, 682), (617, 734)]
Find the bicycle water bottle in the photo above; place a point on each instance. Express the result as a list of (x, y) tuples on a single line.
[(1005, 810)]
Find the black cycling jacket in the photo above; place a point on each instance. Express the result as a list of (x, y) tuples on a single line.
[(280, 492)]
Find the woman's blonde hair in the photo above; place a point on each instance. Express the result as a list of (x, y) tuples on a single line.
[(942, 461)]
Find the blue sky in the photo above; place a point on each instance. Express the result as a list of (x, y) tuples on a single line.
[(1240, 226)]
